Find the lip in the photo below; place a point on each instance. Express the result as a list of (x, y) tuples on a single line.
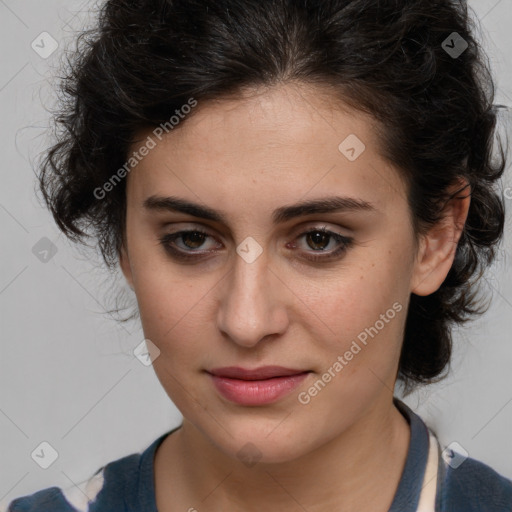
[(258, 386), (261, 373)]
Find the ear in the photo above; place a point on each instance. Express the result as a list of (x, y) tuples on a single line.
[(124, 263), (437, 247)]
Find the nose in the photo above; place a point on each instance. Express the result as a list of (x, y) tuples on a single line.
[(252, 306)]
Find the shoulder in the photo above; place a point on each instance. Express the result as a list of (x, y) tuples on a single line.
[(464, 484), (108, 489), (474, 486), (48, 499), (124, 484)]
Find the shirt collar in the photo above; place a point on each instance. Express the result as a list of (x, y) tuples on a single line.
[(410, 486)]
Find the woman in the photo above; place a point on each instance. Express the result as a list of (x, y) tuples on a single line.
[(300, 193)]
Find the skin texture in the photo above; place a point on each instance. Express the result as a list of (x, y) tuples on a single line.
[(346, 448)]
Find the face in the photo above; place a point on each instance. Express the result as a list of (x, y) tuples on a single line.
[(251, 288)]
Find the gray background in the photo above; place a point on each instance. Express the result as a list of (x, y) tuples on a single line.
[(67, 372)]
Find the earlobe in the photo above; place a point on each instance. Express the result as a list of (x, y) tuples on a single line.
[(438, 247)]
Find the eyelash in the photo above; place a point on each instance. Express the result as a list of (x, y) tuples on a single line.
[(344, 241)]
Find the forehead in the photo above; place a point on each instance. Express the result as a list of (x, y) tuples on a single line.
[(281, 115), (272, 147)]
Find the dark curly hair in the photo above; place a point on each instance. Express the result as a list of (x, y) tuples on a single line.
[(398, 60)]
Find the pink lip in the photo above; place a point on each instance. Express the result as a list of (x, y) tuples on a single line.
[(259, 386)]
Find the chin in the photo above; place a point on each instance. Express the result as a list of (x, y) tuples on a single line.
[(266, 442)]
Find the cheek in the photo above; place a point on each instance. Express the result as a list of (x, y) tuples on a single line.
[(359, 352), (174, 317), (173, 310), (362, 311)]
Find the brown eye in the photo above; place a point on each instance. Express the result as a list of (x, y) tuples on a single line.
[(195, 238), (319, 239), (191, 241)]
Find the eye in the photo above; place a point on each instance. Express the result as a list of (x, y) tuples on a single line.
[(193, 239), (317, 238)]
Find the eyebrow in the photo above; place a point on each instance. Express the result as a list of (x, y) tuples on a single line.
[(332, 204)]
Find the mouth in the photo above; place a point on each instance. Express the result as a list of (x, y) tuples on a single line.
[(262, 373), (259, 386)]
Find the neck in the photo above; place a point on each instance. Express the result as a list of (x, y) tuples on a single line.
[(359, 470)]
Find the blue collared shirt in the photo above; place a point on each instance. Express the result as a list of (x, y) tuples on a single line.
[(433, 480)]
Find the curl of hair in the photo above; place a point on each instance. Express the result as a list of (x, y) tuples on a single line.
[(146, 58)]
